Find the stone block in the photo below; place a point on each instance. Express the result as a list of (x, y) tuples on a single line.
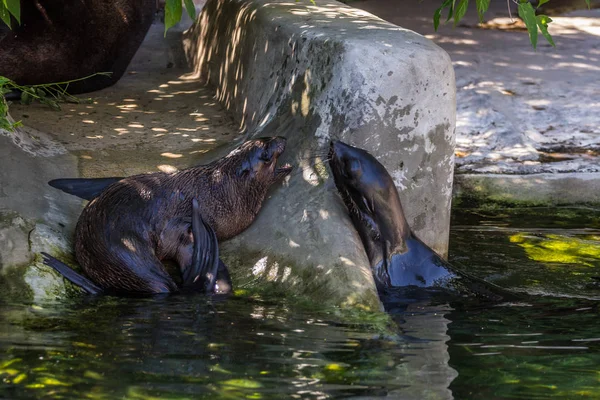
[(315, 72)]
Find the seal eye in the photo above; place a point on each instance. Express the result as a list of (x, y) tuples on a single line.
[(265, 157), (243, 169), (352, 170)]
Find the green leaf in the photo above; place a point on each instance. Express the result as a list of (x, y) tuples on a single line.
[(14, 7), (438, 13), (589, 3), (191, 9), (40, 92), (482, 7), (450, 11), (4, 124), (436, 18), (460, 11), (543, 21), (50, 103), (541, 2), (527, 14), (4, 15), (172, 13), (26, 98)]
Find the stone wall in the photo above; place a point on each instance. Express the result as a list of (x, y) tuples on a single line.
[(315, 72)]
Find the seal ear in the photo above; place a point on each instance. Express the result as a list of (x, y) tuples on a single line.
[(244, 168)]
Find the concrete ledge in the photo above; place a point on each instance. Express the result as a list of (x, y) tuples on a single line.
[(536, 189), (315, 72)]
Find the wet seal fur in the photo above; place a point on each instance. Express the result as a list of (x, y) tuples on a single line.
[(132, 225), (398, 258)]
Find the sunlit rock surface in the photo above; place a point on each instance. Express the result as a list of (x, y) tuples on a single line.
[(520, 111), (316, 72)]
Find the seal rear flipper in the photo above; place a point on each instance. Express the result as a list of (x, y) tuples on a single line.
[(85, 188), (202, 273), (71, 275)]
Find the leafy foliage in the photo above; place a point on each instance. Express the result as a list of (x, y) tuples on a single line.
[(526, 11), (527, 14), (8, 8), (482, 7), (50, 94), (173, 11)]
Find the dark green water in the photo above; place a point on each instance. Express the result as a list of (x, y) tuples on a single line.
[(188, 347)]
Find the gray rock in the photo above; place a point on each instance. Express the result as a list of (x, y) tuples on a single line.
[(548, 189), (316, 72), (14, 236), (33, 216)]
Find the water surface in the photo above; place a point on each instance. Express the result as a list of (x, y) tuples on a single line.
[(191, 347)]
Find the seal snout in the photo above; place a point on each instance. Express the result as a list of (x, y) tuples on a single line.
[(338, 149), (277, 147), (278, 144), (334, 151)]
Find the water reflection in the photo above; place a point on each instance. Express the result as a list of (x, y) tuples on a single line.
[(546, 349), (187, 347), (190, 347)]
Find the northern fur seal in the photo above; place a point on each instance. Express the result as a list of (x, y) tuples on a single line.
[(133, 224), (398, 258)]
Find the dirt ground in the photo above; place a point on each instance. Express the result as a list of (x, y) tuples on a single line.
[(156, 116), (518, 110)]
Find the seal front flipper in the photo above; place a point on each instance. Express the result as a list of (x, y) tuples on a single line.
[(85, 188), (205, 258), (71, 275), (223, 283)]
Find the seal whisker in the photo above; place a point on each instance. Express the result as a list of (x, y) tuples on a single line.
[(310, 167)]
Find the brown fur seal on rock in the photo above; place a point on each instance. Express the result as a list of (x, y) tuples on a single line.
[(133, 224)]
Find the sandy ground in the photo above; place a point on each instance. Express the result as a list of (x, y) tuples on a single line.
[(518, 110), (155, 117)]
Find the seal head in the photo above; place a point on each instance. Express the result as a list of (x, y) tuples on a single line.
[(397, 257)]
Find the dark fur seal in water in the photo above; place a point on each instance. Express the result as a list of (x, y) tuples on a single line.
[(133, 224), (398, 258)]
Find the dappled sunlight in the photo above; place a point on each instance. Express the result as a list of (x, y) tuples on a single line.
[(190, 118), (574, 25), (556, 250), (171, 155), (452, 40), (514, 103), (169, 169), (129, 244), (154, 113), (226, 64)]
